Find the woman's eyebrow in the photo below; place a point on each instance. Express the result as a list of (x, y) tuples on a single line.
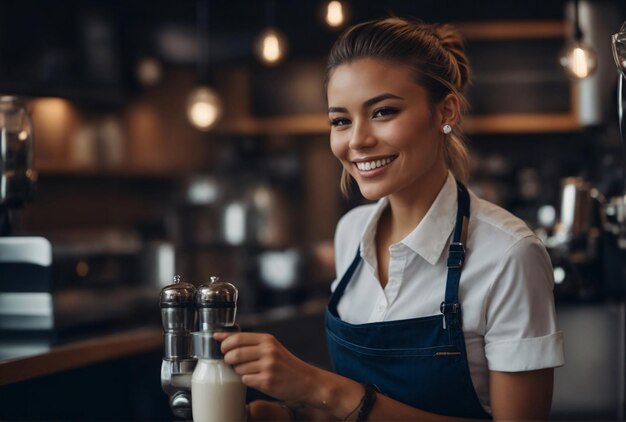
[(367, 103), (337, 110), (379, 98)]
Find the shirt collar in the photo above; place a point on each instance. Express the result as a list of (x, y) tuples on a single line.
[(430, 236)]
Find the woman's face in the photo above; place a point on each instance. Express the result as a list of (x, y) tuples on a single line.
[(382, 129)]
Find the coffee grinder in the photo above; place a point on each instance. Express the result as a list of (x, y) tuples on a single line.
[(26, 305), (17, 172)]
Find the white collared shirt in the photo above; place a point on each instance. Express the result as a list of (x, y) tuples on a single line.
[(506, 287)]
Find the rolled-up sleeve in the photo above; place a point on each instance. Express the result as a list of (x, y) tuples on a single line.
[(521, 331)]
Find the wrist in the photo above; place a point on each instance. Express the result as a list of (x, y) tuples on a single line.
[(332, 393)]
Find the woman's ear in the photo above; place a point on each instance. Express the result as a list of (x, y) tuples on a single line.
[(450, 109)]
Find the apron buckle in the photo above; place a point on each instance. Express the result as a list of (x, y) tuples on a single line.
[(446, 308), (456, 255)]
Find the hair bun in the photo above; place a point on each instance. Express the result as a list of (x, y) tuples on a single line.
[(452, 42)]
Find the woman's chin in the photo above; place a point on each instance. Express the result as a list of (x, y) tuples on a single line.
[(372, 194)]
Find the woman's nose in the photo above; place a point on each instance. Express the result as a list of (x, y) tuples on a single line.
[(362, 136)]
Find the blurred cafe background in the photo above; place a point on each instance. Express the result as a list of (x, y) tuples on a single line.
[(143, 139)]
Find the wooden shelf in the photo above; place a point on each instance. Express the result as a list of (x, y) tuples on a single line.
[(307, 124), (521, 123), (507, 30), (493, 123), (48, 168)]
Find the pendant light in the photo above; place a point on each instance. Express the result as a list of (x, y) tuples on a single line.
[(335, 13), (149, 71), (204, 107), (271, 45), (578, 59)]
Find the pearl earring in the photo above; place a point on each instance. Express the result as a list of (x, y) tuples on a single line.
[(446, 129)]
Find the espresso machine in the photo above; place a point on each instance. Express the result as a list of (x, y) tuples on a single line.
[(192, 361), (614, 208), (588, 244)]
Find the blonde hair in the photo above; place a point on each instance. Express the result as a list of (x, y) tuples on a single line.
[(436, 56)]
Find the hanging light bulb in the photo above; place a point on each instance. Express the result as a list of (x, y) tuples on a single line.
[(149, 71), (204, 108), (271, 46), (578, 59), (335, 14)]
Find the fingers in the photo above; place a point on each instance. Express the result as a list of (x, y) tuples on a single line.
[(256, 381), (248, 368), (232, 341), (219, 336), (241, 355)]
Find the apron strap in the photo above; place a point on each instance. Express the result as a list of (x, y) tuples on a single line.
[(456, 252), (343, 283)]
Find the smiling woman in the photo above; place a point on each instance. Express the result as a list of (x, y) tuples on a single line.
[(397, 126), (442, 308)]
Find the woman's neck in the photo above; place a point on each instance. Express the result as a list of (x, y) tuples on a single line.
[(408, 208)]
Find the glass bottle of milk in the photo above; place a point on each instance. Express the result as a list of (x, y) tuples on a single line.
[(217, 393)]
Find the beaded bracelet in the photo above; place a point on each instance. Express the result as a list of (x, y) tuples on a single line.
[(367, 402), (358, 406)]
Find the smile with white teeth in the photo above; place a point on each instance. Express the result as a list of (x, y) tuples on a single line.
[(374, 164)]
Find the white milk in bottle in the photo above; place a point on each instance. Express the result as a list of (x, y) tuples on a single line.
[(217, 393)]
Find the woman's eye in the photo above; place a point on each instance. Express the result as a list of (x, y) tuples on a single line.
[(385, 111), (339, 121)]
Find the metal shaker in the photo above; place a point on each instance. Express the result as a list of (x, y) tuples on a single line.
[(216, 304), (178, 317)]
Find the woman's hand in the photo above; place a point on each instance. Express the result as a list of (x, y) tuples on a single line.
[(266, 365)]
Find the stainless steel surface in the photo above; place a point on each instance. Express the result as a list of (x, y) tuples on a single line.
[(177, 294), (618, 42), (216, 293), (216, 303), (180, 403), (178, 317), (211, 318), (576, 208), (177, 346), (205, 346), (176, 383), (177, 307)]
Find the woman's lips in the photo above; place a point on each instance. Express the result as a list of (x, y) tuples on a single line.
[(373, 167)]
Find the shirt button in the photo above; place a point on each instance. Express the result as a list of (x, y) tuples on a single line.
[(381, 307)]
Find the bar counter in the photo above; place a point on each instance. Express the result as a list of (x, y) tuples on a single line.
[(80, 353), (134, 341)]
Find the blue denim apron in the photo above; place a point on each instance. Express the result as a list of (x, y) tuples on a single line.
[(421, 362)]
